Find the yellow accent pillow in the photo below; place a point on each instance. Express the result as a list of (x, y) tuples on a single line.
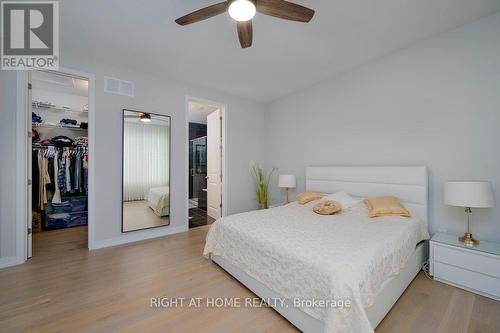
[(306, 197), (327, 207), (385, 206)]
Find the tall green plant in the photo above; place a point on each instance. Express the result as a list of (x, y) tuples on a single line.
[(261, 183)]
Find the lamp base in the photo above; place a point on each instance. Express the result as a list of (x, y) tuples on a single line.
[(468, 240)]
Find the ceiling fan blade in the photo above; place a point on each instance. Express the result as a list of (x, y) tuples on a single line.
[(285, 10), (245, 33), (203, 13)]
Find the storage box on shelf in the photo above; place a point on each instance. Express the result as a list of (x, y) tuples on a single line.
[(36, 224), (71, 212)]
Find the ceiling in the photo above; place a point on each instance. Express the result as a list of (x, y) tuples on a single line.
[(60, 83), (285, 56), (198, 112)]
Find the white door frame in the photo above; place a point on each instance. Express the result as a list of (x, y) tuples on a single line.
[(22, 160), (223, 108)]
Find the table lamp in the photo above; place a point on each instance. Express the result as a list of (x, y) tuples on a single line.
[(469, 194), (287, 182)]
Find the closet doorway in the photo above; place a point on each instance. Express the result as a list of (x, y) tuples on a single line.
[(206, 167), (57, 162)]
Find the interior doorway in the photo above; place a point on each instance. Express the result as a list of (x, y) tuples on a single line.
[(57, 160), (206, 122)]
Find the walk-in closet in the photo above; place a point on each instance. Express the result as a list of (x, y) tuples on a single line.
[(59, 157)]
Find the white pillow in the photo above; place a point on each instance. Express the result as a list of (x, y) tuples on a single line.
[(344, 199)]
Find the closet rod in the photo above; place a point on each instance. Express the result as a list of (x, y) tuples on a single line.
[(45, 146)]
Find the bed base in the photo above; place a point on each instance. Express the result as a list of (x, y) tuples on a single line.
[(389, 293)]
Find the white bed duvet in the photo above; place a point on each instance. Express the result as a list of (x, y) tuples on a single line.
[(158, 200), (302, 255)]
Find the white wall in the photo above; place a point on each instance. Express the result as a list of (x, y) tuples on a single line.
[(436, 104), (158, 95), (7, 164)]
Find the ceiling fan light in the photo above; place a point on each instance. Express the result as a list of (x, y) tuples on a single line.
[(145, 117), (242, 10)]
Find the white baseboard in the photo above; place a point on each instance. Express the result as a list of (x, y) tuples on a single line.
[(136, 237), (10, 261)]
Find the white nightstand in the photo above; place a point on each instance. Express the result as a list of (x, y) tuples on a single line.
[(476, 269)]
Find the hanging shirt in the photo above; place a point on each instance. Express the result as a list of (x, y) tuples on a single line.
[(85, 171), (57, 194), (43, 164), (61, 176), (68, 173)]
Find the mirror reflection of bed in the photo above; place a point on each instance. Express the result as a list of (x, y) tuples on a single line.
[(146, 170), (150, 213)]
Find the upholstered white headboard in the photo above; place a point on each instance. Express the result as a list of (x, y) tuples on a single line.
[(408, 183)]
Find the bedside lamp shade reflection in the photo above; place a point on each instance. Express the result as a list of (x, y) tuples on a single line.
[(469, 194), (287, 182)]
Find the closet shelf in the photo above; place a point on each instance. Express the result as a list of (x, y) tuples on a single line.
[(78, 128), (58, 109)]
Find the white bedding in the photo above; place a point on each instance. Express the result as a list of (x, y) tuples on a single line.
[(300, 254), (158, 200)]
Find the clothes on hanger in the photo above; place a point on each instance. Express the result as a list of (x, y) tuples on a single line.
[(81, 140), (67, 175), (44, 178), (56, 198), (85, 172), (58, 171), (59, 167), (62, 141)]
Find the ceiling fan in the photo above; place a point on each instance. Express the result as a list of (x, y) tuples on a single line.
[(244, 10), (144, 117)]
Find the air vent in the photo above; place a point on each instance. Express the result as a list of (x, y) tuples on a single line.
[(117, 86)]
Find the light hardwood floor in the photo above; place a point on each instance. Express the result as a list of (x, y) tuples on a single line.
[(138, 215), (65, 288)]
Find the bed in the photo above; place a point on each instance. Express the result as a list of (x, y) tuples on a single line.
[(159, 200), (290, 253)]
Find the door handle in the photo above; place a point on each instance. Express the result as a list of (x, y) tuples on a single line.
[(192, 171)]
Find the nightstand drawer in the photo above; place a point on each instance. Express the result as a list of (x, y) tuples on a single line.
[(467, 279), (477, 262)]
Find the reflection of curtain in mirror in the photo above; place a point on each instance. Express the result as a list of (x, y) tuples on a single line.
[(145, 159)]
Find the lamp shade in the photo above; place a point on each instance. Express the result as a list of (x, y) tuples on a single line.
[(287, 181), (473, 194)]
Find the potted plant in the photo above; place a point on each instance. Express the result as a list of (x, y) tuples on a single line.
[(261, 184)]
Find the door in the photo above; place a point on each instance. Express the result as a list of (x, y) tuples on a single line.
[(214, 165), (29, 213)]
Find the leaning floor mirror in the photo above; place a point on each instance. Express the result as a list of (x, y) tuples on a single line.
[(146, 170)]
